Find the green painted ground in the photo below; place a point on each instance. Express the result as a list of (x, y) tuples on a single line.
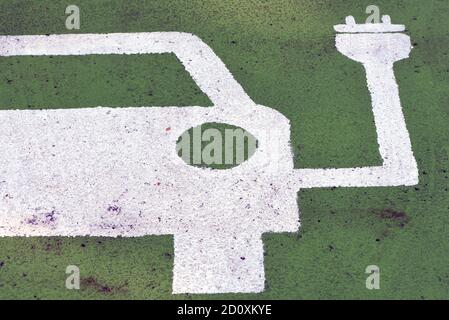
[(282, 52)]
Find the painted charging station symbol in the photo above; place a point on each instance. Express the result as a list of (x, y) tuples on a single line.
[(92, 171)]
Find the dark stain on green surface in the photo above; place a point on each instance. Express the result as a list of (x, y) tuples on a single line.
[(92, 283), (398, 217)]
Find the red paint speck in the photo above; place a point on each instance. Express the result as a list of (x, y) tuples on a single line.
[(167, 129)]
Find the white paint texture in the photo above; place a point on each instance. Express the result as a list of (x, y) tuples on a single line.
[(351, 27), (115, 172)]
